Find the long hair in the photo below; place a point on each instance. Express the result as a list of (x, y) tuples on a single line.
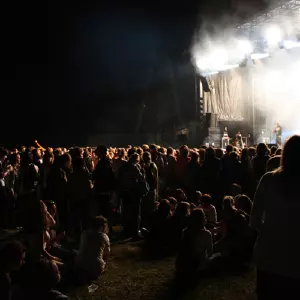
[(289, 170), (290, 159)]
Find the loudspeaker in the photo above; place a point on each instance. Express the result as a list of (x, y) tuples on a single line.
[(211, 120), (207, 84)]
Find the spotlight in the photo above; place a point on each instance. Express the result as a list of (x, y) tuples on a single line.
[(273, 35), (244, 47)]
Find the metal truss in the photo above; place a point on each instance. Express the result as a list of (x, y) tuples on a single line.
[(285, 10)]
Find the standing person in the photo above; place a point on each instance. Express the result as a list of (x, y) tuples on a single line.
[(79, 193), (278, 134), (104, 182), (131, 184), (57, 187), (275, 216), (151, 174)]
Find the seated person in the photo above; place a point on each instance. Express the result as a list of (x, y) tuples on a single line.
[(235, 231), (244, 204), (93, 251), (53, 244), (196, 247), (12, 256), (178, 222), (209, 210), (173, 204), (48, 222), (158, 237), (41, 281)]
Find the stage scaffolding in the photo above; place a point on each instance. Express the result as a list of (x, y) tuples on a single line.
[(277, 14)]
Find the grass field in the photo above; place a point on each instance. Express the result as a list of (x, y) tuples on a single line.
[(128, 276)]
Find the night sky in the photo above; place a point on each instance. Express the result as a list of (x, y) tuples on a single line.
[(70, 69)]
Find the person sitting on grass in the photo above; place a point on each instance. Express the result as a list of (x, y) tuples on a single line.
[(40, 282), (12, 257), (195, 253), (209, 210), (158, 237), (93, 251), (178, 222)]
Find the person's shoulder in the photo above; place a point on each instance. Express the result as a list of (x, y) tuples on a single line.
[(105, 239)]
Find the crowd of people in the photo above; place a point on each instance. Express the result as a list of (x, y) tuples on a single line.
[(192, 203)]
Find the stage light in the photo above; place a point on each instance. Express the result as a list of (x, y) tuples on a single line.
[(228, 67), (259, 55), (290, 44), (273, 35), (219, 57), (202, 63), (244, 46)]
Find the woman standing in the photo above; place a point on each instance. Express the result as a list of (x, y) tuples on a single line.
[(275, 216)]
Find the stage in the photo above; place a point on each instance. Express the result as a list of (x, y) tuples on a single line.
[(251, 91)]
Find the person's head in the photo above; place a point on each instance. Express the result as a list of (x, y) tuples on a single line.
[(99, 224), (198, 197), (131, 151), (121, 153), (164, 208), (12, 256), (182, 209), (229, 149), (184, 151), (290, 159), (139, 151), (244, 155), (210, 153), (153, 148), (173, 204), (37, 153), (66, 161), (219, 153), (51, 207), (101, 151), (197, 219), (48, 159), (76, 152), (261, 149), (170, 151), (145, 148), (180, 195), (243, 203), (251, 152), (162, 150), (194, 157), (134, 159), (78, 164), (206, 199), (147, 157)]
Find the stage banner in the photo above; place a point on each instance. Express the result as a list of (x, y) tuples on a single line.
[(225, 99)]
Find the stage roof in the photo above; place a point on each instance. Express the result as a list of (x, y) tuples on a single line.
[(285, 13)]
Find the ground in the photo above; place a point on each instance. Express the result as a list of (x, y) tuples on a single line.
[(129, 277)]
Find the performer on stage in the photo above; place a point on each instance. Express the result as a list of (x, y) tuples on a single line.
[(239, 140), (278, 133)]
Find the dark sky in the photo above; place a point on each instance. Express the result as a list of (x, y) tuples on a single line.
[(73, 68)]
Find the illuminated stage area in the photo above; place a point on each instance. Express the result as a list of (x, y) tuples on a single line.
[(249, 77)]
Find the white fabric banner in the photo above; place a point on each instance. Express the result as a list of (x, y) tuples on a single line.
[(225, 99)]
